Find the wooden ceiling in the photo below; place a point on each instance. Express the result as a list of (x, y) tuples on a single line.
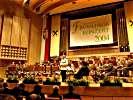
[(59, 6)]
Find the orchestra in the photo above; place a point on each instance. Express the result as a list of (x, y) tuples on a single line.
[(95, 67)]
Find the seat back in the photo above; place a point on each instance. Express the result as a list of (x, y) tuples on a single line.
[(70, 99), (52, 98), (6, 97)]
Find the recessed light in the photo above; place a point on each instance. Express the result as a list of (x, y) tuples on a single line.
[(74, 2)]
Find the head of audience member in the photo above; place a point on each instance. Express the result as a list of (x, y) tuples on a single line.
[(5, 89), (37, 89), (34, 97), (21, 86), (5, 85), (9, 97), (70, 89), (1, 85), (55, 89)]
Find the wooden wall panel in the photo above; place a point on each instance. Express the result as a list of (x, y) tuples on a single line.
[(0, 27), (25, 32), (12, 9), (0, 30), (122, 98), (87, 98), (34, 49), (16, 30), (2, 72), (102, 98), (89, 93), (6, 31), (0, 23)]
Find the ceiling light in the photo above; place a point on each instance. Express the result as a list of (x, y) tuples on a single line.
[(26, 3)]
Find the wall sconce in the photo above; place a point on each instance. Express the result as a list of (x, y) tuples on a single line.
[(130, 22)]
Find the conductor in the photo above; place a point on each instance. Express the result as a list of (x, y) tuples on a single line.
[(63, 64)]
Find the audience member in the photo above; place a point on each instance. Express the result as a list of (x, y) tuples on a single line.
[(37, 91), (84, 71), (34, 97), (55, 92), (5, 89), (7, 97), (19, 91), (71, 94)]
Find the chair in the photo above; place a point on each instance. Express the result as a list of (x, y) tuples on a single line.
[(21, 98), (48, 68), (71, 98), (6, 97), (55, 68), (34, 97), (29, 68), (52, 98)]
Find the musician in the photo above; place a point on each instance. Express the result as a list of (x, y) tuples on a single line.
[(75, 66), (95, 66), (129, 67), (108, 68), (12, 64), (63, 64), (19, 66), (83, 71)]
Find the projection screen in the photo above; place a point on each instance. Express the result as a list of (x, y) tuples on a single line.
[(91, 31)]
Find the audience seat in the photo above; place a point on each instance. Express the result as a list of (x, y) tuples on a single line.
[(52, 98), (70, 99), (6, 97)]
